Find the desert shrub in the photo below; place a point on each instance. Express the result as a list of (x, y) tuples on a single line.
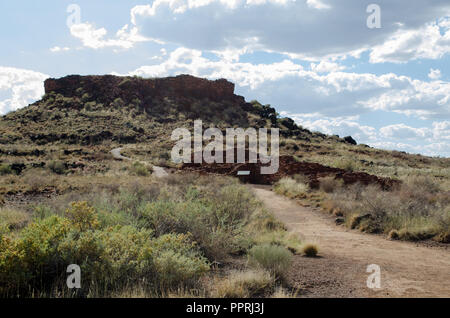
[(172, 217), (174, 268), (32, 260), (140, 169), (243, 284), (110, 258), (232, 204), (329, 184), (82, 216), (42, 212), (416, 210), (422, 184), (5, 169), (301, 178), (37, 179), (346, 164), (159, 237), (264, 221), (215, 216), (273, 258), (57, 167), (310, 250), (290, 188)]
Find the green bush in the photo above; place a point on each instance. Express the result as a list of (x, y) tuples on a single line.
[(273, 258), (5, 169), (110, 258), (158, 237), (82, 216), (175, 269), (140, 169), (33, 259)]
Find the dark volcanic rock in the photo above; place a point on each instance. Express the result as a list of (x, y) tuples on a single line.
[(107, 88), (290, 167), (350, 140)]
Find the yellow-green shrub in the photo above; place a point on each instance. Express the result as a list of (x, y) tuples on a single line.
[(82, 216), (275, 259)]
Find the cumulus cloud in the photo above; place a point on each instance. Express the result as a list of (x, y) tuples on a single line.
[(326, 67), (94, 38), (403, 131), (310, 29), (434, 74), (342, 126), (433, 141), (432, 41), (21, 86), (334, 93)]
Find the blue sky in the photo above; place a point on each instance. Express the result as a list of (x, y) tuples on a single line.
[(316, 61)]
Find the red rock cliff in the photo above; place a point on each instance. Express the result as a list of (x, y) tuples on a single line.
[(109, 87)]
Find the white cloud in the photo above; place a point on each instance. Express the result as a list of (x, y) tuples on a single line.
[(21, 86), (335, 93), (431, 41), (434, 74), (342, 126), (326, 67), (430, 141), (317, 4), (310, 29), (59, 49), (94, 38), (403, 131), (183, 60)]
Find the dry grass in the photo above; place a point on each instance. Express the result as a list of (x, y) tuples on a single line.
[(291, 188), (244, 284), (330, 184), (418, 210), (310, 250), (281, 292), (14, 219)]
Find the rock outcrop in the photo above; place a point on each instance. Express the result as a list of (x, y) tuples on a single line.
[(290, 167), (107, 88)]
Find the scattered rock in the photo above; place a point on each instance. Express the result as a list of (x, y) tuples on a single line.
[(339, 220), (350, 140), (288, 166)]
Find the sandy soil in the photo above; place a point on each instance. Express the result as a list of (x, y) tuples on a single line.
[(407, 269)]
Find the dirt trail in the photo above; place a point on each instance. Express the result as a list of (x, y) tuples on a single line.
[(407, 270), (158, 172)]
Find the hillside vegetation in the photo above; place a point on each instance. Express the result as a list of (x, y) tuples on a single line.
[(65, 200), (81, 118)]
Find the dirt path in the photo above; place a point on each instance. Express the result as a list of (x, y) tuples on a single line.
[(158, 172), (407, 270)]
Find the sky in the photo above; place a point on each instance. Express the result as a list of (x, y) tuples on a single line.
[(378, 71)]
